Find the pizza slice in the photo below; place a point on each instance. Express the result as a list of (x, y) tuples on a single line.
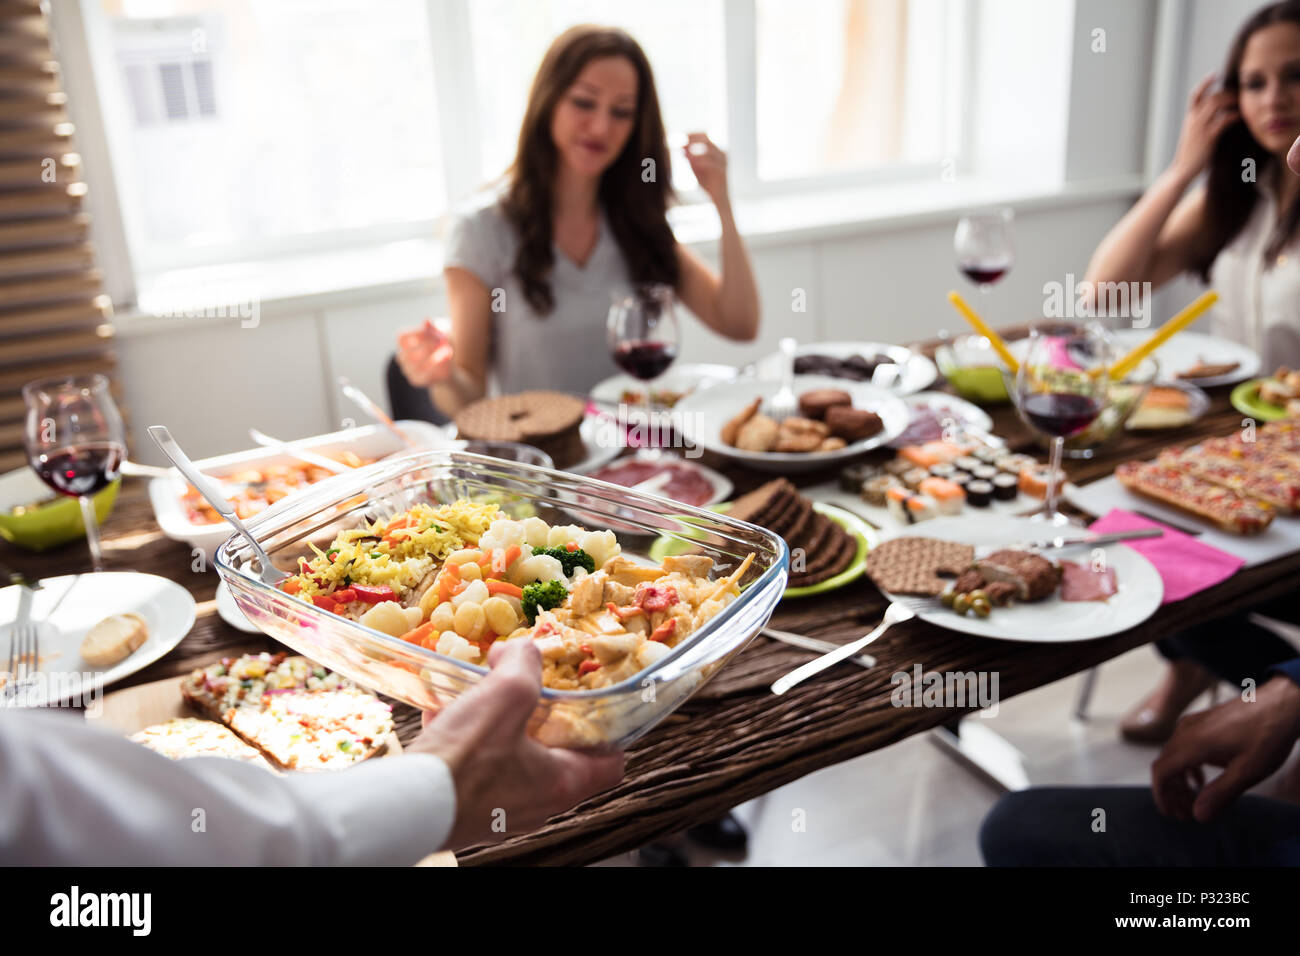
[(1251, 478), (1172, 485), (299, 714), (183, 737)]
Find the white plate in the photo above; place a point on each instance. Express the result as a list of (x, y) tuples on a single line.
[(1187, 348), (66, 607), (702, 415), (683, 377), (1051, 621), (918, 371), (367, 441), (229, 611)]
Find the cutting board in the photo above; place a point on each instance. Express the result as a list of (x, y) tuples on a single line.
[(134, 708), (1281, 538)]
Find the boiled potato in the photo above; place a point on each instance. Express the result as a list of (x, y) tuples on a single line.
[(501, 617), (388, 617), (470, 621)]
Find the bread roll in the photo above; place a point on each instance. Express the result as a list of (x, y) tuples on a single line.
[(113, 639)]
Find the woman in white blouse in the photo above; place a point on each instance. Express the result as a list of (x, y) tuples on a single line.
[(1238, 232)]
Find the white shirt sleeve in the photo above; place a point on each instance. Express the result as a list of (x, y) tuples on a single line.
[(72, 794)]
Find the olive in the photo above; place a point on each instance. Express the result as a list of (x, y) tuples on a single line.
[(978, 595), (961, 603), (981, 607), (946, 598)]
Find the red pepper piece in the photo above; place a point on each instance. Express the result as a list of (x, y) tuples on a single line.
[(374, 594), (344, 596), (655, 597), (321, 601), (586, 667), (664, 631)]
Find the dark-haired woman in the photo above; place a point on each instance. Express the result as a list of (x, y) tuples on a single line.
[(1239, 232), (583, 217)]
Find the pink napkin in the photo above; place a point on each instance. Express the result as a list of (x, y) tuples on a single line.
[(1186, 565)]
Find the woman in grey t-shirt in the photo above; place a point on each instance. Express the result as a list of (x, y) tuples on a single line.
[(581, 217)]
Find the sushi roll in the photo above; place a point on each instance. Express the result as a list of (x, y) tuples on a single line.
[(984, 472), (874, 489), (948, 496), (1006, 487), (986, 455), (1015, 464), (979, 493), (968, 463), (853, 477), (896, 466), (961, 479), (943, 470), (914, 477), (1033, 481), (909, 508)]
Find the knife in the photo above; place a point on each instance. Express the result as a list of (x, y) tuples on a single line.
[(1091, 538), (813, 644)]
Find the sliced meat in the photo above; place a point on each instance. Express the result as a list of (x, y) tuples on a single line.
[(1082, 582)]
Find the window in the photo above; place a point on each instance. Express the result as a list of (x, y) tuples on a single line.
[(852, 85), (246, 128)]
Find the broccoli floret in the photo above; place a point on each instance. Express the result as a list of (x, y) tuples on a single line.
[(542, 596), (571, 559)]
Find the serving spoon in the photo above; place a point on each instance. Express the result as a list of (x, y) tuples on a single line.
[(270, 574)]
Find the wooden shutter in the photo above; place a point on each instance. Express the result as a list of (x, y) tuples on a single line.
[(54, 315)]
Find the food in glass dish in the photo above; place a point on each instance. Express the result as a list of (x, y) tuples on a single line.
[(458, 577), (255, 489)]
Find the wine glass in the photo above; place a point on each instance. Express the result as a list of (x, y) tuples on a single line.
[(75, 441), (1061, 388), (985, 247), (642, 335)]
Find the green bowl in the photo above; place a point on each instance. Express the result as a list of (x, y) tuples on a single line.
[(973, 369), (53, 522)]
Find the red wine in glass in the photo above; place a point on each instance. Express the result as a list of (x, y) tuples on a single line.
[(645, 360), (1061, 413), (81, 469), (983, 275)]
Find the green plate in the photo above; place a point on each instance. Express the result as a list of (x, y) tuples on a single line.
[(1245, 399), (865, 536)]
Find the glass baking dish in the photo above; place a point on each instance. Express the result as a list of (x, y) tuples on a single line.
[(609, 717)]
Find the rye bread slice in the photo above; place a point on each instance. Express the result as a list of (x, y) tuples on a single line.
[(842, 558), (763, 502), (800, 523), (815, 536), (825, 555)]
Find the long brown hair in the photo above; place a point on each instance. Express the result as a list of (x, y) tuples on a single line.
[(636, 209), (1229, 199)]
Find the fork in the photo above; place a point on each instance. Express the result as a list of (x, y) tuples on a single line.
[(896, 613), (784, 404), (24, 656)]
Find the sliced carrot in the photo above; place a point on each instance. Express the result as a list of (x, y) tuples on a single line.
[(512, 554), (571, 547), (417, 635), (460, 587), (504, 587), (292, 586)]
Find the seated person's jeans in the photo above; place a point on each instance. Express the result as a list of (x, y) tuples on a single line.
[(1054, 826), (1235, 647)]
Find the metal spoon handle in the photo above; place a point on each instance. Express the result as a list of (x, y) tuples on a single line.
[(207, 489)]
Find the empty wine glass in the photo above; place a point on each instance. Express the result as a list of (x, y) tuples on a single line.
[(985, 247), (1061, 387), (76, 442), (642, 334)]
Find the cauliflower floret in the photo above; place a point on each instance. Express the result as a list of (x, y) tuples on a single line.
[(601, 545), (562, 534), (536, 533), (537, 567), (476, 592), (453, 645), (502, 533)]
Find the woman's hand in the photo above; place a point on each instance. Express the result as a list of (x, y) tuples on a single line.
[(1208, 115), (425, 355), (709, 164), (506, 782)]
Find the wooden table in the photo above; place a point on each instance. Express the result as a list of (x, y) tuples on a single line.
[(734, 740)]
